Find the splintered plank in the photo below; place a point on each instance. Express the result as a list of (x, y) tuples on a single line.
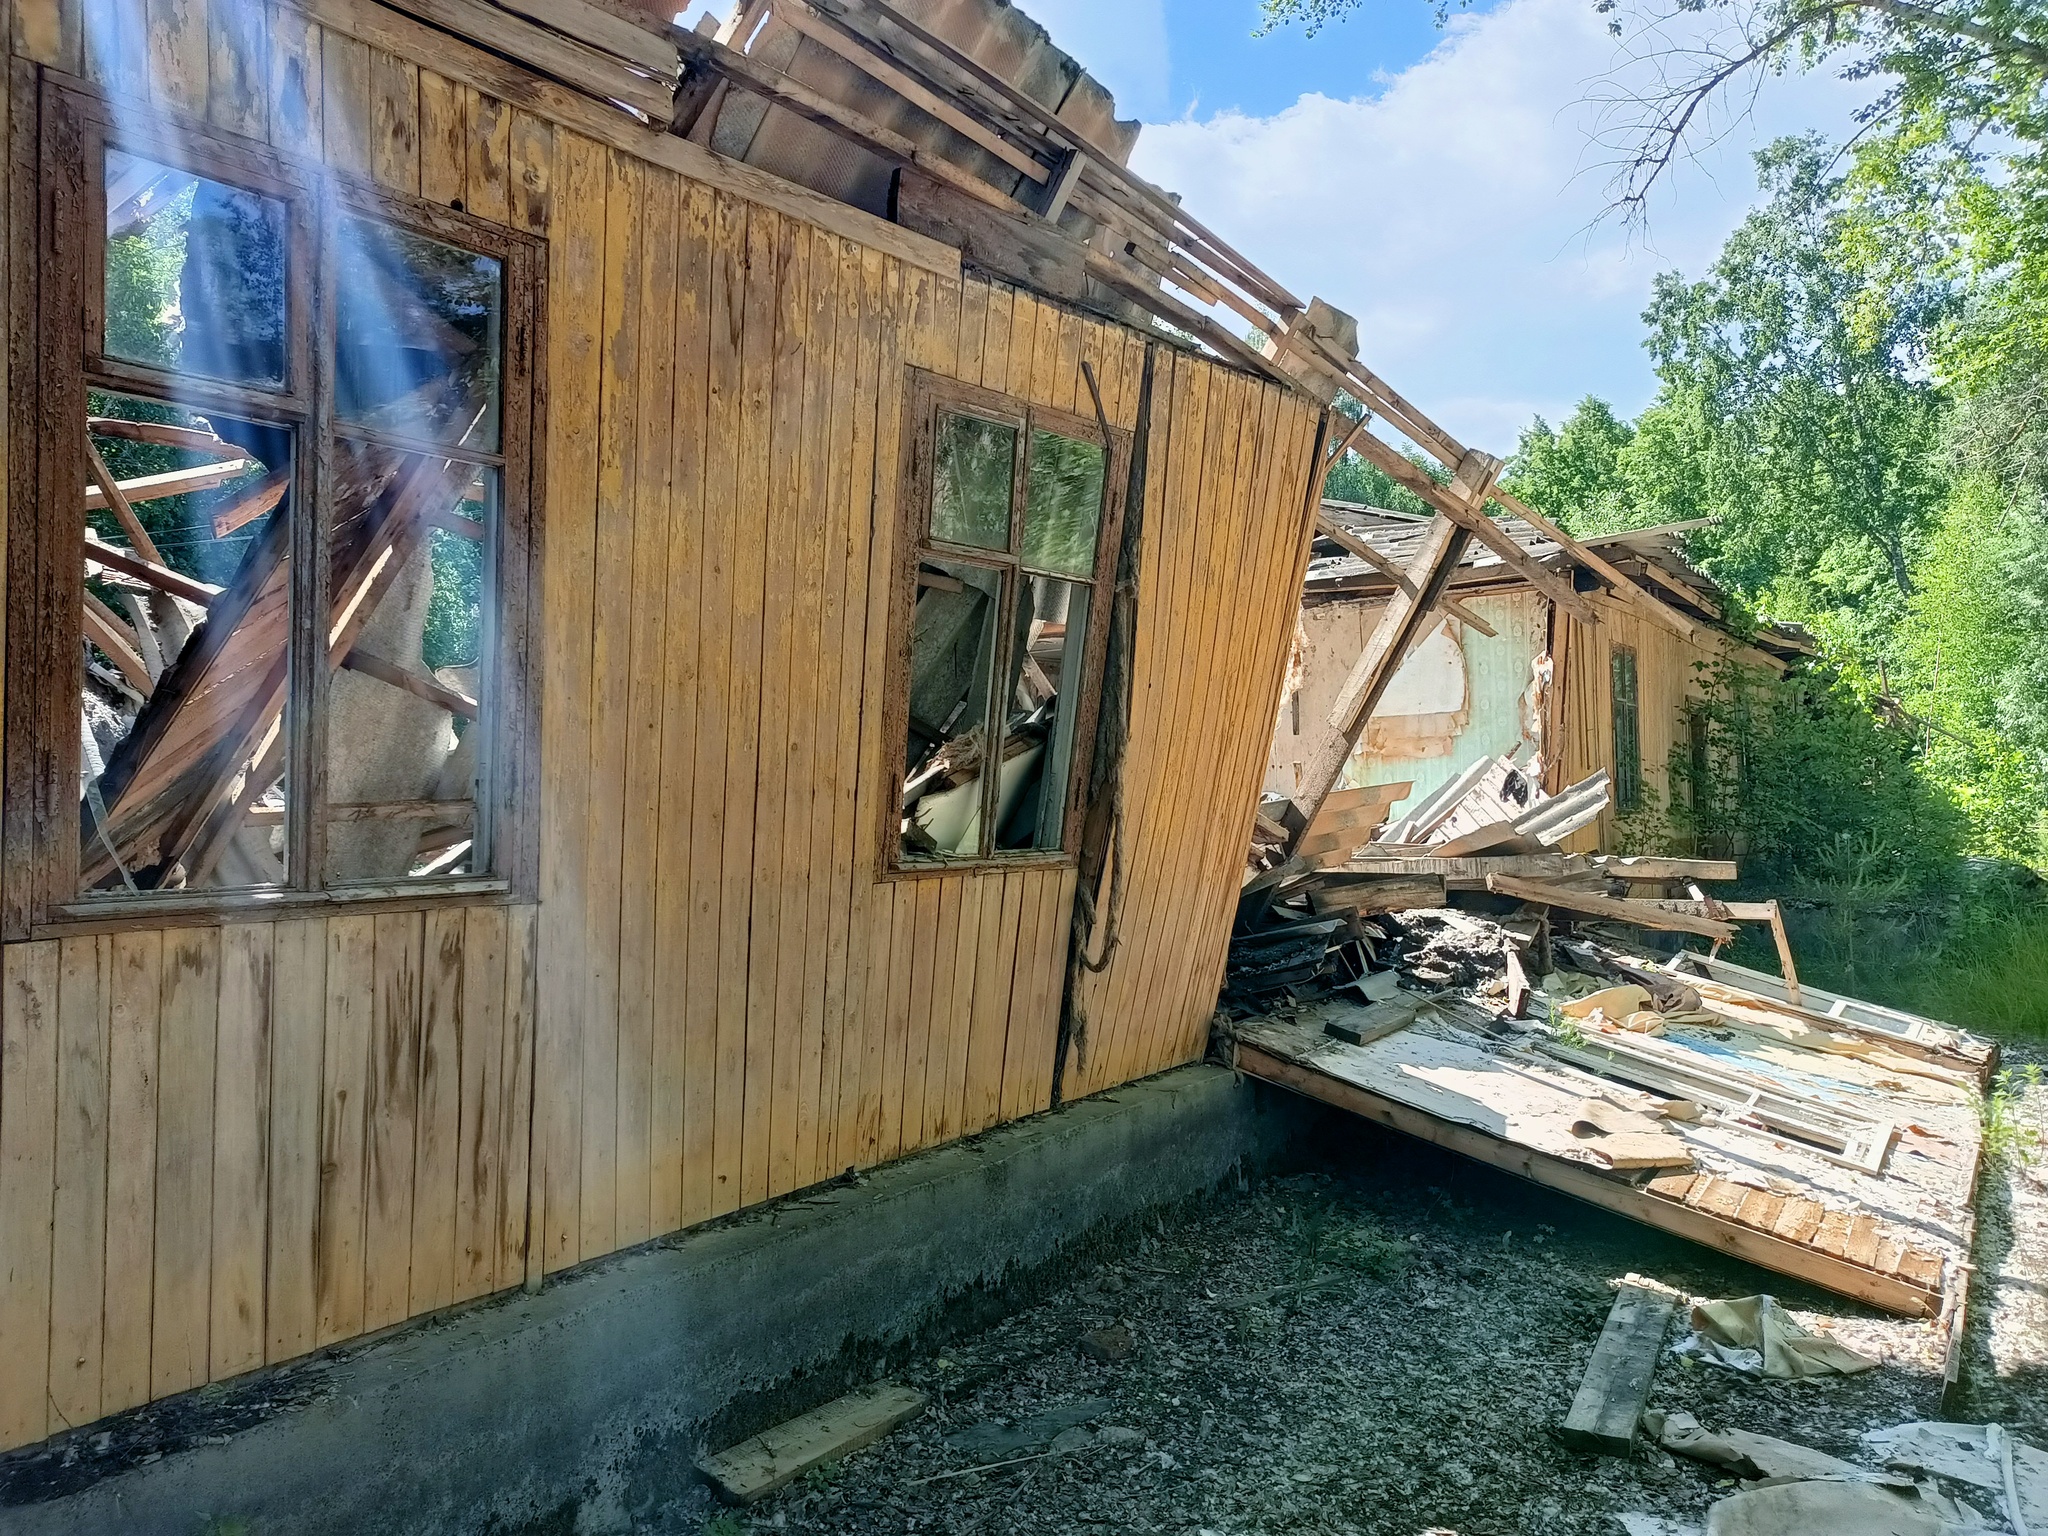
[(1617, 1380), (776, 1457)]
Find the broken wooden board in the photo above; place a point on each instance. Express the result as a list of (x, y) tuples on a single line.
[(1907, 1032), (1644, 914), (1616, 1386), (755, 1468), (1375, 1021), (1895, 1235), (1367, 896)]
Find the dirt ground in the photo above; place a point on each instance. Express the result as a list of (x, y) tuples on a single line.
[(1383, 1344)]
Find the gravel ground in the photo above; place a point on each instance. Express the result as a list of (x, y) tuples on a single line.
[(1382, 1347)]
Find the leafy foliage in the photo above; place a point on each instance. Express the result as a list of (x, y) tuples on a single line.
[(1805, 782), (1574, 474)]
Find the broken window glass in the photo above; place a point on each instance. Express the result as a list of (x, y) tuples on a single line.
[(418, 336), (186, 630), (1063, 504), (998, 642), (952, 671), (411, 566), (972, 475), (1046, 656), (195, 273)]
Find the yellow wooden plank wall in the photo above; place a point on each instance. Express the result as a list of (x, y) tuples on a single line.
[(1667, 677), (221, 1147), (1227, 532)]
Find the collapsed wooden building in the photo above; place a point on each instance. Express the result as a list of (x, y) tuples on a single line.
[(605, 623)]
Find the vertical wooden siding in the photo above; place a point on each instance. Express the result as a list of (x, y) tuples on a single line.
[(1667, 676), (1227, 533), (223, 1147)]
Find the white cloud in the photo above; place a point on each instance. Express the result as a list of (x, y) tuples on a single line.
[(1453, 210)]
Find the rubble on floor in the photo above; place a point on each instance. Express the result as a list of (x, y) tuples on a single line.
[(1308, 909)]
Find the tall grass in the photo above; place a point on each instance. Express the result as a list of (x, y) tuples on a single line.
[(1976, 958), (1993, 980)]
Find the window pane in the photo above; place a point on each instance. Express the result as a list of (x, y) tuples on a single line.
[(952, 663), (409, 687), (974, 467), (186, 597), (1062, 504), (1628, 753), (195, 273), (418, 336), (1042, 700)]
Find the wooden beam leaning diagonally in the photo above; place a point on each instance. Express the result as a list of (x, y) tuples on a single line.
[(1352, 544), (1403, 623), (1473, 516)]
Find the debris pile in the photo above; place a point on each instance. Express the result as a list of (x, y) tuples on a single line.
[(1486, 841)]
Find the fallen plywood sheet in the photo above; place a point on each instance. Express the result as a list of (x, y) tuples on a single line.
[(755, 1468), (1616, 1385), (1892, 1232)]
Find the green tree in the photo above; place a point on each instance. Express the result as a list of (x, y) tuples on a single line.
[(1807, 406), (1574, 474)]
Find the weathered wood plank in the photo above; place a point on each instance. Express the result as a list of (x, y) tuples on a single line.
[(391, 1118), (178, 1357), (438, 1195), (241, 1146), (1616, 1385), (78, 1222), (479, 1181), (136, 986), (773, 1459), (298, 1026), (29, 1031)]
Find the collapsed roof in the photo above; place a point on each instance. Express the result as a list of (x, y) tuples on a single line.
[(1654, 557)]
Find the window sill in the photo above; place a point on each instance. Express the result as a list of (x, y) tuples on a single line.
[(939, 869), (179, 909)]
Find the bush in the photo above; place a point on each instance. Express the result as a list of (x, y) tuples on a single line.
[(1802, 782)]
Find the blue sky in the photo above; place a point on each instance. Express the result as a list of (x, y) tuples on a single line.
[(1442, 185)]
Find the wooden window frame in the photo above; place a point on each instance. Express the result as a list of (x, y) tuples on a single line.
[(927, 396), (1628, 774), (61, 129)]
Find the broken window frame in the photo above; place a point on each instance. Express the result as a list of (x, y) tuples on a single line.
[(928, 396), (59, 362)]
